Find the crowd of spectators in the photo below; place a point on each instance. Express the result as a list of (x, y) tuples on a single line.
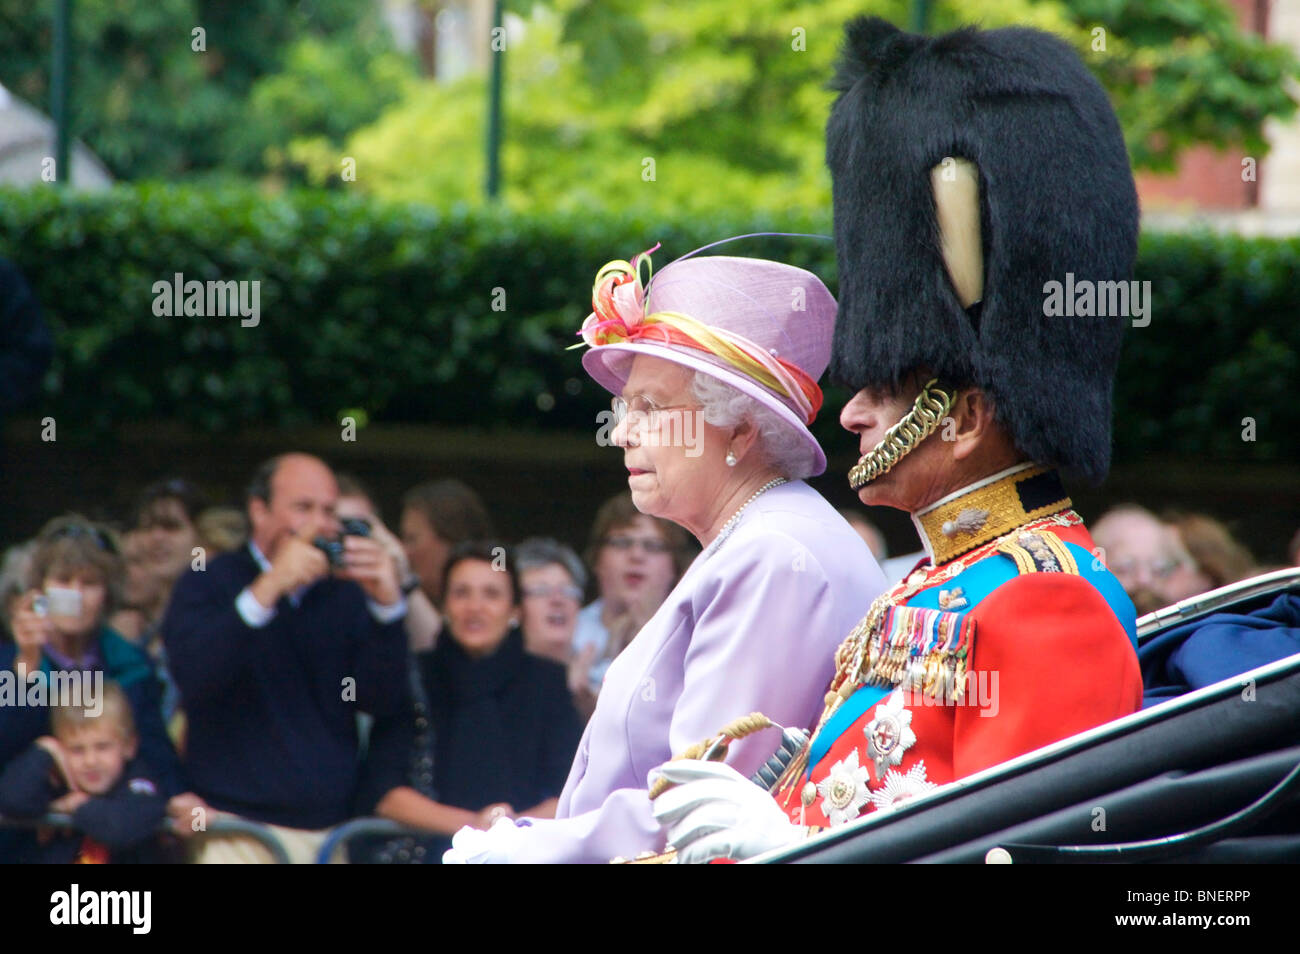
[(296, 663), (1163, 559)]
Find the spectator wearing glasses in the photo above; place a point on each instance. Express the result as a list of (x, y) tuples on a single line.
[(551, 583), (1147, 557), (636, 559)]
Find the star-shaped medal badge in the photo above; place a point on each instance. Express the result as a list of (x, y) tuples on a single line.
[(844, 791), (889, 734), (899, 787)]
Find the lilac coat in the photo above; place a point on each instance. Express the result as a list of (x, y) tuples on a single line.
[(752, 626)]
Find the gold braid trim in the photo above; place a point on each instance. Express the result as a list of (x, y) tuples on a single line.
[(996, 508), (731, 732), (931, 407)]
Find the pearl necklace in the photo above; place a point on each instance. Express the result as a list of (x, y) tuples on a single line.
[(729, 527)]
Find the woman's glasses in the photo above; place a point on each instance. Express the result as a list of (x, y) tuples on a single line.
[(546, 591), (641, 409), (623, 544)]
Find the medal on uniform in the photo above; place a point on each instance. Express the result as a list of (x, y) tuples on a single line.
[(844, 791), (900, 786), (889, 734)]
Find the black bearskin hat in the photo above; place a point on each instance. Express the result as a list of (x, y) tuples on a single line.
[(1056, 199)]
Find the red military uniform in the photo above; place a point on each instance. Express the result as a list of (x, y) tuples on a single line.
[(1015, 636)]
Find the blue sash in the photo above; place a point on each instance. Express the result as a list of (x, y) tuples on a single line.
[(845, 716)]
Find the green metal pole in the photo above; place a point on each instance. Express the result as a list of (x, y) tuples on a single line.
[(493, 183), (920, 15), (60, 83)]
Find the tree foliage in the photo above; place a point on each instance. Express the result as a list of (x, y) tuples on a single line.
[(1181, 72), (712, 105), (623, 103), (156, 99), (608, 103)]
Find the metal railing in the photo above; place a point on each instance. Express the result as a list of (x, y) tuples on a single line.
[(338, 836), (361, 827), (1217, 600)]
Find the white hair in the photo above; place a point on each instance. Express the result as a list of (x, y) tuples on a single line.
[(544, 551), (782, 447)]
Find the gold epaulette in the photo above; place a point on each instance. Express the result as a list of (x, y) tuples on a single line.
[(1039, 551)]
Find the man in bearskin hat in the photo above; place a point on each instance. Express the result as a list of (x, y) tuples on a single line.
[(971, 171)]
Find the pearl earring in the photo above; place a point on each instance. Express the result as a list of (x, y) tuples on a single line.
[(731, 459)]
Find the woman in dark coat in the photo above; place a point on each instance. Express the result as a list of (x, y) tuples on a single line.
[(504, 724), (504, 729)]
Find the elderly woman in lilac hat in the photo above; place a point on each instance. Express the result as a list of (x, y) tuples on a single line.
[(714, 370)]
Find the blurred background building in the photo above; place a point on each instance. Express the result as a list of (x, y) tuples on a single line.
[(26, 135), (1212, 187)]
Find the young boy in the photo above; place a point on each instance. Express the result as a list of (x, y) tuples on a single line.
[(88, 770)]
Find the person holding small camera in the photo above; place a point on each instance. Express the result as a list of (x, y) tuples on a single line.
[(63, 645), (357, 508), (276, 647)]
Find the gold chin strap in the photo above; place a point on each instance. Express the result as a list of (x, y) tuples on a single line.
[(955, 183), (931, 407)]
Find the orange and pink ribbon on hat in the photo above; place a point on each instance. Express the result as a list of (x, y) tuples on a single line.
[(619, 315)]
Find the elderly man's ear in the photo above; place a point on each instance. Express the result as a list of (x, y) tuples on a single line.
[(258, 512), (972, 424)]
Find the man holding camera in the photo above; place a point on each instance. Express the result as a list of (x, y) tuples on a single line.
[(275, 647)]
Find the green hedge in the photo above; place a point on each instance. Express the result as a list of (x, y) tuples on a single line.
[(1223, 345), (388, 309)]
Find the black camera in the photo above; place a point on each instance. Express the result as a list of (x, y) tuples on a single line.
[(333, 548), (355, 527)]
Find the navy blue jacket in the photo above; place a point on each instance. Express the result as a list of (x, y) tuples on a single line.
[(272, 711), (1205, 651), (125, 819), (505, 728)]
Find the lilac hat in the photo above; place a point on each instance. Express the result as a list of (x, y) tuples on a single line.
[(762, 327)]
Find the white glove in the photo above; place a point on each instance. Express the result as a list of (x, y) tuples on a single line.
[(473, 846), (715, 812)]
